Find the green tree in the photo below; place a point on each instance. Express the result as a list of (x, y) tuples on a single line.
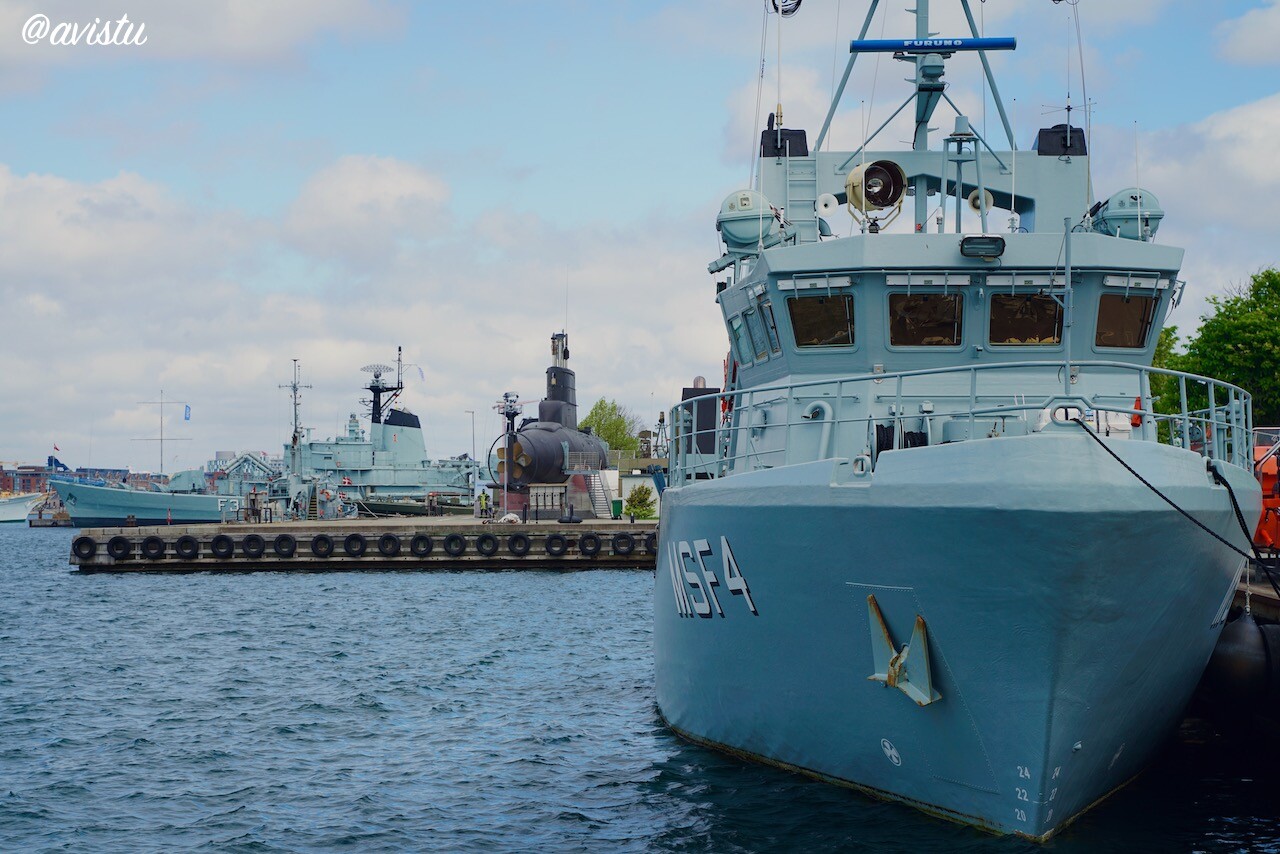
[(1165, 389), (640, 502), (616, 424), (1240, 343)]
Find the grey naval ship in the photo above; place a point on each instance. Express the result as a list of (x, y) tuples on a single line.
[(382, 472), (386, 470), (903, 549)]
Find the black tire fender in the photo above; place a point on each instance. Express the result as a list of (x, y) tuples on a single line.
[(119, 547), (284, 545), (153, 548), (487, 544), (84, 548), (589, 544), (557, 545), (388, 545), (222, 547), (355, 545), (421, 545), (253, 546), (455, 545), (187, 547), (651, 544), (322, 545), (623, 543), (519, 544)]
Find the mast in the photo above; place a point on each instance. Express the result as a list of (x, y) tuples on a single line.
[(296, 443), (924, 111), (378, 386), (161, 403)]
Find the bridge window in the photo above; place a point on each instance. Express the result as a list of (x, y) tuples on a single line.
[(822, 321), (926, 320), (741, 341), (755, 327), (770, 325), (1125, 321), (1025, 319)]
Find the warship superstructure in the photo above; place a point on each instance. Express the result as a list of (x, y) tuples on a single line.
[(389, 462), (901, 551)]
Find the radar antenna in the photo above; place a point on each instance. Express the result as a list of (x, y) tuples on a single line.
[(378, 387)]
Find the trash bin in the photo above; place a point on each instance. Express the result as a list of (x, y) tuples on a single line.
[(617, 508)]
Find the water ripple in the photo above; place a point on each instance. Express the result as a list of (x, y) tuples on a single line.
[(448, 711)]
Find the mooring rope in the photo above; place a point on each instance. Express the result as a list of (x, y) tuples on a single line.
[(1256, 558)]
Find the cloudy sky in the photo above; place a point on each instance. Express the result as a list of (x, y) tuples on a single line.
[(328, 179)]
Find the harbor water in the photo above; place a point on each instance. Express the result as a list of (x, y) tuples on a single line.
[(439, 711)]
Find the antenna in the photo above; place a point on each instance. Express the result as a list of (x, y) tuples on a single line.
[(1137, 180), (161, 403), (378, 387), (1013, 203), (294, 387)]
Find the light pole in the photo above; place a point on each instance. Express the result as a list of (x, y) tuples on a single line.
[(475, 464)]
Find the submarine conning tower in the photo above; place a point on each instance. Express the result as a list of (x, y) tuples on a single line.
[(543, 450), (560, 406)]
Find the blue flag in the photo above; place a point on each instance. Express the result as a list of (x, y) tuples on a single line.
[(186, 416)]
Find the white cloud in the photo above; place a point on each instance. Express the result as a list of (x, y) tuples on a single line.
[(116, 234), (1251, 39), (1216, 180), (114, 290), (360, 209)]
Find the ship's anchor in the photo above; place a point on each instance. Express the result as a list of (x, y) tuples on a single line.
[(916, 680)]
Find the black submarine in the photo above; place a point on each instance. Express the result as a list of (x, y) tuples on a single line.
[(540, 450)]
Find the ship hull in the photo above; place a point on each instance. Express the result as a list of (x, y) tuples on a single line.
[(1069, 614), (107, 507), (16, 508)]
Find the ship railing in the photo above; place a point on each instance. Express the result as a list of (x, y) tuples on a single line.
[(1269, 438), (859, 418), (577, 462)]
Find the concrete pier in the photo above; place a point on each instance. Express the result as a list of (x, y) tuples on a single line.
[(435, 543)]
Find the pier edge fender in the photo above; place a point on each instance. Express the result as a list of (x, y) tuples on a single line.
[(589, 544), (84, 548), (222, 546), (389, 545), (556, 545), (519, 544), (421, 545), (455, 545), (623, 543), (355, 545), (284, 545), (487, 544), (119, 548), (153, 548), (322, 545), (187, 547), (253, 546)]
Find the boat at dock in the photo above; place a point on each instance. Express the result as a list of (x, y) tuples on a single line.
[(98, 504), (386, 468), (899, 550), (16, 508)]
